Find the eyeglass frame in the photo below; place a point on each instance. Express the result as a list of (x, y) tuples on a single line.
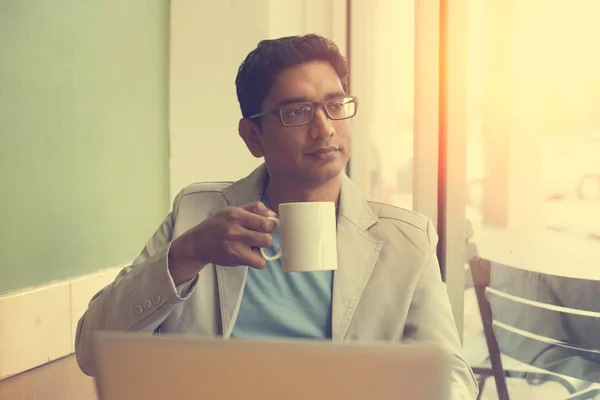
[(314, 104)]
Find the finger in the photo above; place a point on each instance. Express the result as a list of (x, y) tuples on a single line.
[(260, 209), (255, 222), (257, 239), (253, 258)]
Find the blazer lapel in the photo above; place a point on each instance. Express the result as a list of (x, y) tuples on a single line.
[(357, 256), (231, 280)]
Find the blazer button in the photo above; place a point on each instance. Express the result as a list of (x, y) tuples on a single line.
[(156, 299), (147, 304), (138, 310)]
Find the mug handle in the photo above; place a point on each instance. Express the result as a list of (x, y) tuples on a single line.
[(279, 252)]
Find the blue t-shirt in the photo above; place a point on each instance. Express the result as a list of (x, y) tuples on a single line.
[(285, 304)]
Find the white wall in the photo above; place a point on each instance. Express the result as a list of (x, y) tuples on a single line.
[(209, 40), (323, 17)]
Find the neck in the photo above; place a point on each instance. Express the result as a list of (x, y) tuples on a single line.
[(280, 191)]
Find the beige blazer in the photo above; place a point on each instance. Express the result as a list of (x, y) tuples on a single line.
[(387, 287)]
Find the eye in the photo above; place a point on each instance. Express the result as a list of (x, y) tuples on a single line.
[(296, 112), (337, 105)]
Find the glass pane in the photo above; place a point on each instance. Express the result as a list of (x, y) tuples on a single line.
[(382, 67), (533, 193)]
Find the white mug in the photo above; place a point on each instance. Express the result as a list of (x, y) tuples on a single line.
[(308, 237)]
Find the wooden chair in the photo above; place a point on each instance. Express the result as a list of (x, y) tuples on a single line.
[(481, 272)]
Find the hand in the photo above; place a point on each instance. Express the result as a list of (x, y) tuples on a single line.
[(229, 237)]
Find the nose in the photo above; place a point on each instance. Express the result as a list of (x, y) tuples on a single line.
[(321, 125)]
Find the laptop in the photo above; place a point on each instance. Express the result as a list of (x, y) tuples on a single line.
[(134, 366)]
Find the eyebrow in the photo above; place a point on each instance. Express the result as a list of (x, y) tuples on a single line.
[(292, 100)]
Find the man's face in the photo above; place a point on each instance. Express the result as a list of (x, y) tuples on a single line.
[(299, 153)]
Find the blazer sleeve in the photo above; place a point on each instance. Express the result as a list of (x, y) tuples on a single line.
[(430, 319), (139, 299)]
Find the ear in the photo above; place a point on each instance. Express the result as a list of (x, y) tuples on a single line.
[(250, 133)]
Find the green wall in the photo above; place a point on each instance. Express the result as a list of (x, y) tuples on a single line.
[(83, 134)]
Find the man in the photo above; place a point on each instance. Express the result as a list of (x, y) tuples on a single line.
[(201, 272)]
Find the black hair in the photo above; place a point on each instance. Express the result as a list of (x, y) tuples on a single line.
[(260, 68)]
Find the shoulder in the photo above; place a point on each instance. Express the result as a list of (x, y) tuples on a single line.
[(406, 224), (399, 216), (200, 188), (200, 191)]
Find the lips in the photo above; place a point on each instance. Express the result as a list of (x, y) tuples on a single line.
[(324, 150)]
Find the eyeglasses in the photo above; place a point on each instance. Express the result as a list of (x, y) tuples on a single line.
[(302, 113)]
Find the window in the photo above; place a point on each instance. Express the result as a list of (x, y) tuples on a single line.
[(382, 64), (533, 191)]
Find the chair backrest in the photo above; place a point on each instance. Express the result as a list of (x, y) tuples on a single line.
[(481, 274), (548, 322)]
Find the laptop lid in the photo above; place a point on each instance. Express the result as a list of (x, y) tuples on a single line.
[(140, 366)]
